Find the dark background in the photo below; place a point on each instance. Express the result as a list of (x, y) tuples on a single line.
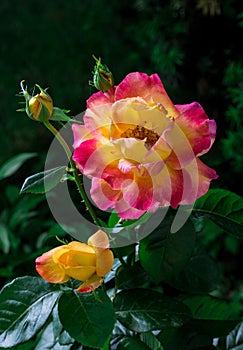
[(194, 45)]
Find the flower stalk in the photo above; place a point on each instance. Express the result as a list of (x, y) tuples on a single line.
[(74, 170)]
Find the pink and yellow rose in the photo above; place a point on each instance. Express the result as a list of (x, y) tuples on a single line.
[(84, 262), (140, 150)]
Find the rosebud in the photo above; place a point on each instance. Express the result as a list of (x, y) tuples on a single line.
[(40, 106), (88, 263), (102, 76)]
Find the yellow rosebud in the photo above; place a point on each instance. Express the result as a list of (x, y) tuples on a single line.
[(84, 262), (40, 106), (102, 76)]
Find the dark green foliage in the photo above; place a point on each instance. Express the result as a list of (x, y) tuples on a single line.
[(224, 208), (25, 305), (170, 251), (143, 310), (88, 317)]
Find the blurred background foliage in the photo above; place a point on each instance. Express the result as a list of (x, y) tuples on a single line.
[(194, 45)]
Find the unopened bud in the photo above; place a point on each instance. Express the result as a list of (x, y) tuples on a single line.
[(102, 76), (40, 106)]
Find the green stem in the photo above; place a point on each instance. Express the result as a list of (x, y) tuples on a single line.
[(119, 256), (79, 185)]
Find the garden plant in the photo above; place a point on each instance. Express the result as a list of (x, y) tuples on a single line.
[(131, 200)]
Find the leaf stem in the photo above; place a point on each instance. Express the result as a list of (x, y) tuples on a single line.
[(119, 256), (79, 185)]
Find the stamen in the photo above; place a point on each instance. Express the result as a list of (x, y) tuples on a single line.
[(139, 132)]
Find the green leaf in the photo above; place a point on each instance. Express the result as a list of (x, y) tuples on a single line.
[(164, 254), (59, 332), (131, 277), (24, 210), (183, 338), (88, 317), (48, 341), (107, 344), (30, 345), (43, 182), (208, 307), (25, 305), (223, 207), (4, 238), (12, 193), (119, 332), (200, 275), (211, 315), (59, 115), (143, 310), (14, 163), (151, 341), (130, 343), (213, 328), (113, 219), (234, 341)]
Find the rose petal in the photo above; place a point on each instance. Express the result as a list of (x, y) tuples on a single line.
[(199, 130), (82, 256), (99, 240), (100, 98), (83, 152), (206, 174), (81, 273), (150, 88), (48, 269), (105, 197), (80, 134), (98, 121), (103, 194), (105, 261), (180, 146), (139, 192), (132, 112), (90, 285), (80, 247)]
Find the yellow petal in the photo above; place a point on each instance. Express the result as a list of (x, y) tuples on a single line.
[(104, 261), (81, 247), (73, 258), (76, 254), (104, 256), (81, 273), (58, 253), (91, 284), (49, 269), (130, 112)]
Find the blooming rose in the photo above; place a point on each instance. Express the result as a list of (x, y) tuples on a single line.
[(84, 262), (140, 150)]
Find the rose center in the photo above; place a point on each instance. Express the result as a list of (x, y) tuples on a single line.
[(139, 132)]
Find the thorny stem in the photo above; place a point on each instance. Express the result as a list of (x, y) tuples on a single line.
[(81, 191), (68, 152)]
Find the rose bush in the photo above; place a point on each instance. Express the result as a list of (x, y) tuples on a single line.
[(140, 150), (85, 262)]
